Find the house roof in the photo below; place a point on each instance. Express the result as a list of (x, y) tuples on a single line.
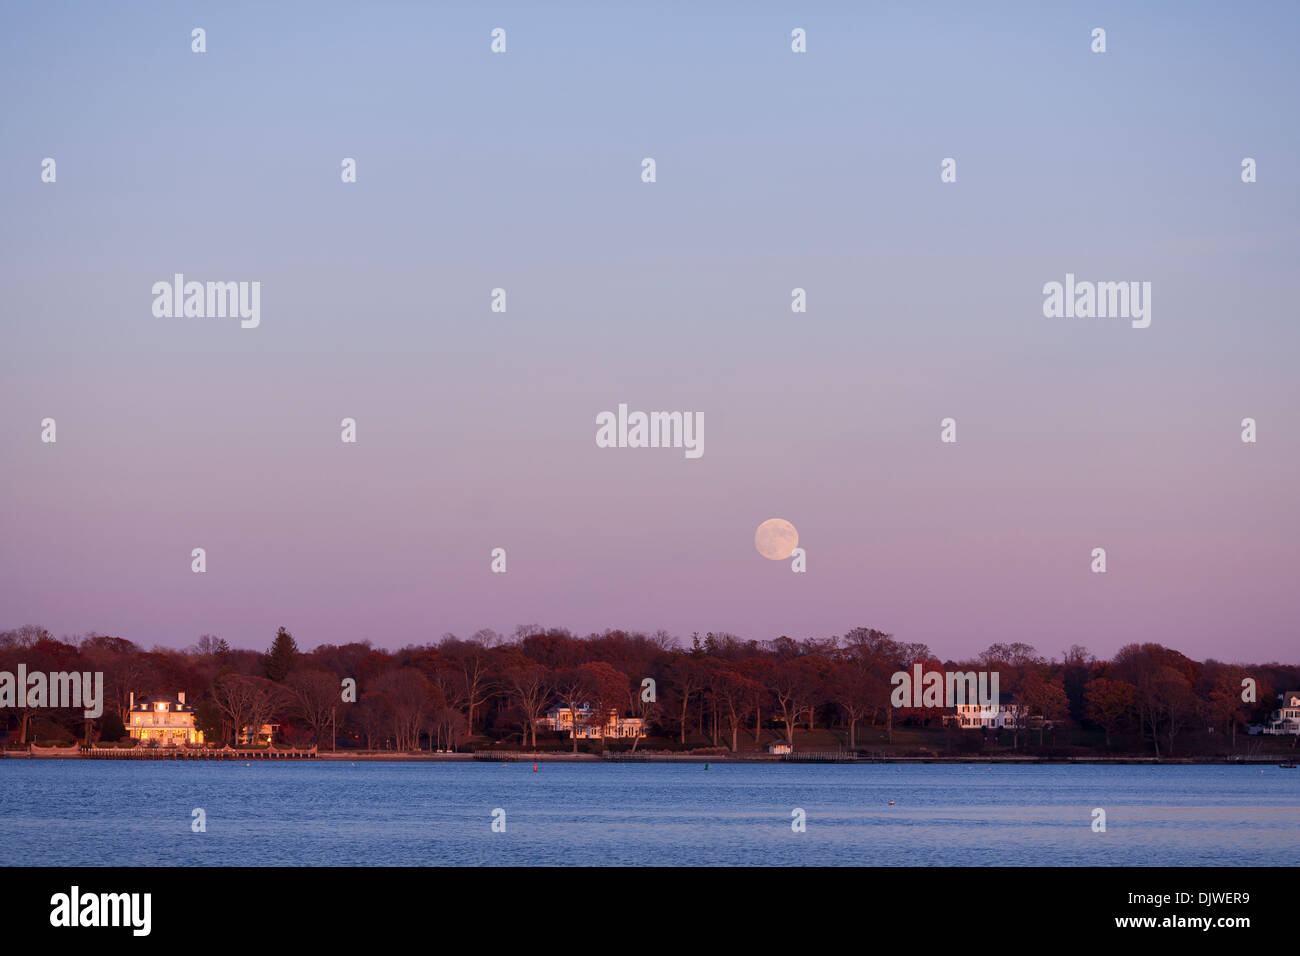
[(149, 703), (1004, 700)]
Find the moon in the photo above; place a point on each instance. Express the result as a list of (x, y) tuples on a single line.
[(776, 539)]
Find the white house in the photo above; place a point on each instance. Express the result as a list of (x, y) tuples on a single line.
[(588, 726), (1286, 719), (1002, 714), (162, 720)]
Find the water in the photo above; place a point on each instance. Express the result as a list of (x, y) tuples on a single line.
[(77, 812)]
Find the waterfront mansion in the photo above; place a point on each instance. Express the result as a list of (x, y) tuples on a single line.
[(1002, 714), (588, 727), (1286, 719), (167, 720)]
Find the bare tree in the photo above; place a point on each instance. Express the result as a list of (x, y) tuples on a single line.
[(736, 694), (244, 702), (316, 695), (407, 697), (24, 644), (529, 688), (472, 663), (572, 688), (793, 684), (372, 717), (687, 676), (265, 702)]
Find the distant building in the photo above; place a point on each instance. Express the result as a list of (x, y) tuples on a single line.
[(263, 736), (1286, 719), (779, 747), (167, 720), (1002, 714), (588, 725)]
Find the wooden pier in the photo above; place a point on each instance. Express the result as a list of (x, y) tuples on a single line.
[(822, 756), (191, 753)]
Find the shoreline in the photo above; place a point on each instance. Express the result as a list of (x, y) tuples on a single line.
[(292, 756), (681, 758), (795, 758)]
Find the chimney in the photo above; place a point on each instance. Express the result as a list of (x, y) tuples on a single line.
[(181, 698), (132, 707)]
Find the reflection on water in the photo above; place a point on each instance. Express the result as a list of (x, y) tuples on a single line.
[(57, 812)]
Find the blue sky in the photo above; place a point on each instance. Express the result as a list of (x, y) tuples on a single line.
[(775, 170)]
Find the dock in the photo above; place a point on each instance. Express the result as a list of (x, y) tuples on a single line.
[(195, 753)]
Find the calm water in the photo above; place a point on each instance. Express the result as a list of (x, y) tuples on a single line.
[(57, 812)]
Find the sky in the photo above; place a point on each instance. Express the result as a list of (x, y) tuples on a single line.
[(775, 170)]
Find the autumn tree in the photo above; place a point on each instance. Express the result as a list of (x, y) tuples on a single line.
[(1223, 686), (1162, 680), (1175, 700), (1045, 700), (607, 688), (1108, 703)]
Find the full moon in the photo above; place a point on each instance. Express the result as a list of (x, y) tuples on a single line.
[(776, 539)]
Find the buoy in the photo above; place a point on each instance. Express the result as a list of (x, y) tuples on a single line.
[(891, 803), (706, 766), (534, 768)]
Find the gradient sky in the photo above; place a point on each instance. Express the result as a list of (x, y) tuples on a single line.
[(775, 170)]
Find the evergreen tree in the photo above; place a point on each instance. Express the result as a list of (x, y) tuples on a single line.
[(282, 656)]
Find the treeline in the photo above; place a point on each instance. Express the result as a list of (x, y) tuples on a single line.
[(719, 689)]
